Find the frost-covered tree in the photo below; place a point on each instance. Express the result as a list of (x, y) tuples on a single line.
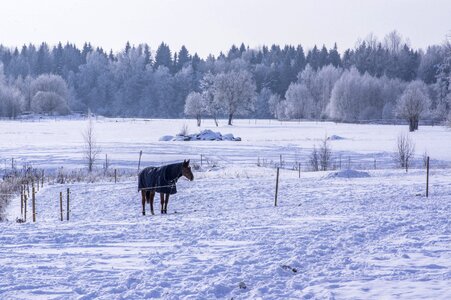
[(212, 107), (194, 106), (345, 97), (442, 87), (163, 91), (393, 42), (24, 85), (320, 84), (235, 91), (49, 103), (262, 103), (299, 102), (413, 103), (95, 84), (49, 94), (273, 104), (392, 89), (11, 101)]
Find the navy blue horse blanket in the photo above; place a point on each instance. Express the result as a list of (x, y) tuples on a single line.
[(160, 179)]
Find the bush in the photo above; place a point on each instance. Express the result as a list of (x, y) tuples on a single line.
[(49, 103), (405, 151)]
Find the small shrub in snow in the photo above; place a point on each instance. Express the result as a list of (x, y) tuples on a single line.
[(314, 159), (320, 159), (91, 150), (325, 154), (405, 151)]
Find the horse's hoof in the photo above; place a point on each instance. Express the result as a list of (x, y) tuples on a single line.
[(152, 212), (144, 213)]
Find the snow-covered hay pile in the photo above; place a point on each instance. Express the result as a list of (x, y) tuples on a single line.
[(348, 174), (335, 138), (205, 135)]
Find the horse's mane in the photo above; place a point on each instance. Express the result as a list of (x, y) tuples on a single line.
[(172, 172)]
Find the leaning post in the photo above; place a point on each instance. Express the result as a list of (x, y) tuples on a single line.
[(139, 162), (33, 199), (25, 207), (427, 177), (21, 200), (67, 208), (277, 187), (61, 205)]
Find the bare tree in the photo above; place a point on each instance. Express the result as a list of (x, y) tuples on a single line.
[(405, 151), (325, 154), (314, 159), (91, 150)]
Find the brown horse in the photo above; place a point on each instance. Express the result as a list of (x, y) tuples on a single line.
[(161, 180)]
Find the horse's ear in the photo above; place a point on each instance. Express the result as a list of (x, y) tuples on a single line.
[(187, 162)]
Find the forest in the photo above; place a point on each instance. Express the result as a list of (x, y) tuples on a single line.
[(377, 80)]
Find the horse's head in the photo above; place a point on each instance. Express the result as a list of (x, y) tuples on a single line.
[(186, 170)]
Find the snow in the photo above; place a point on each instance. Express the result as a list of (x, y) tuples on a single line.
[(347, 237), (348, 174), (204, 135)]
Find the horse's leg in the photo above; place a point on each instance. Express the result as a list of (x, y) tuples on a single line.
[(162, 202), (151, 196), (143, 196), (166, 203)]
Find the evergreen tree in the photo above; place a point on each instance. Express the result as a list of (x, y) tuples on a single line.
[(163, 57), (334, 57)]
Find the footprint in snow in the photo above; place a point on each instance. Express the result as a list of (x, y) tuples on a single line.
[(289, 268)]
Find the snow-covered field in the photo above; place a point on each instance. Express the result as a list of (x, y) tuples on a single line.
[(334, 235)]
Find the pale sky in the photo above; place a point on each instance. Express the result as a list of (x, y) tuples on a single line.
[(211, 26)]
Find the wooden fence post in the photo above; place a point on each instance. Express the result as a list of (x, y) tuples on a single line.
[(427, 177), (277, 187), (201, 160), (299, 169), (61, 205), (25, 207), (21, 200), (42, 179), (115, 175), (280, 160), (33, 200), (139, 162), (67, 208)]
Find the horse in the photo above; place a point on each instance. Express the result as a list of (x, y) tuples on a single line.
[(161, 180)]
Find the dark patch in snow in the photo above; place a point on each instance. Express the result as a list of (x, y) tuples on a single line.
[(242, 285), (335, 138), (289, 268)]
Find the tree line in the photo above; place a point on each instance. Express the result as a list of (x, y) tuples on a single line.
[(366, 82)]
